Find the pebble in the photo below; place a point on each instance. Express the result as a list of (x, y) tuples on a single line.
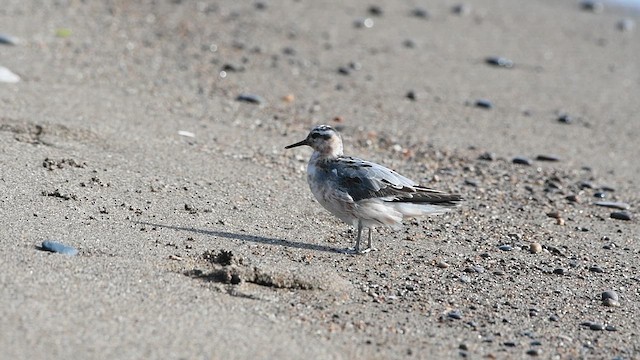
[(544, 157), (375, 10), (613, 205), (420, 12), (565, 119), (250, 98), (484, 104), (560, 271), (461, 9), (505, 247), (592, 5), (471, 182), (610, 294), (621, 215), (610, 328), (411, 95), (7, 76), (522, 160), (572, 198), (363, 23), (585, 185), (554, 318), (554, 214), (442, 265), (487, 156), (7, 39), (626, 24), (596, 269), (409, 44), (534, 352), (535, 248), (60, 248), (600, 195), (596, 327), (611, 302), (499, 61), (455, 314)]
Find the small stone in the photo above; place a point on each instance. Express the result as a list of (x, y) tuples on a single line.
[(505, 247), (410, 44), (610, 328), (535, 248), (534, 352), (596, 269), (7, 39), (509, 344), (610, 294), (611, 303), (250, 98), (621, 215), (442, 265), (455, 314), (375, 10), (420, 12), (411, 95), (600, 195), (54, 246), (543, 157), (554, 214), (363, 23), (596, 327), (554, 318), (572, 198), (471, 182), (461, 9), (626, 24), (463, 346), (565, 119), (487, 156), (522, 160), (484, 104), (592, 5), (560, 271), (499, 61), (7, 76)]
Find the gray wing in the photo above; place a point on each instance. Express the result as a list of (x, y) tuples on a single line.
[(364, 180)]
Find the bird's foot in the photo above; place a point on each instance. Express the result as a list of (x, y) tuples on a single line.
[(354, 251)]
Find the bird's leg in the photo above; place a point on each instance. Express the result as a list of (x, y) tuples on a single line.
[(359, 235), (369, 247)]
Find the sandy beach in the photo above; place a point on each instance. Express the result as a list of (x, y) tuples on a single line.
[(150, 136)]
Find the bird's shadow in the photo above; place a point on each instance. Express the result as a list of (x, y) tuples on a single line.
[(250, 238)]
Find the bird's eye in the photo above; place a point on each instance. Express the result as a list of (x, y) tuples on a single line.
[(315, 135)]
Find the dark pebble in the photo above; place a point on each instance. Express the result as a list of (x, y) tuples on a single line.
[(596, 269), (487, 156), (375, 10), (461, 9), (420, 12), (592, 5), (607, 188), (610, 294), (509, 344), (596, 327), (572, 198), (621, 215), (560, 271), (554, 318), (535, 343), (499, 61), (610, 328), (522, 160), (250, 98), (232, 68), (484, 104), (409, 44), (626, 24), (463, 346), (547, 158), (534, 352), (505, 247), (343, 70), (600, 195), (60, 248), (585, 185), (610, 302), (471, 182), (7, 39), (455, 314), (411, 95), (565, 119)]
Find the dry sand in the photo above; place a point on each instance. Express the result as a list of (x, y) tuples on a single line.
[(212, 246)]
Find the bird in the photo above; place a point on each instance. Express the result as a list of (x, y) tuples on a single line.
[(365, 194)]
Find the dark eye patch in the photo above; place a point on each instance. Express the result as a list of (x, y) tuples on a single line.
[(316, 135)]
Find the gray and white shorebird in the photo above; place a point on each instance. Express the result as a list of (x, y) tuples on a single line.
[(362, 193)]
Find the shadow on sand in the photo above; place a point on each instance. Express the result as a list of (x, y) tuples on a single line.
[(251, 238)]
